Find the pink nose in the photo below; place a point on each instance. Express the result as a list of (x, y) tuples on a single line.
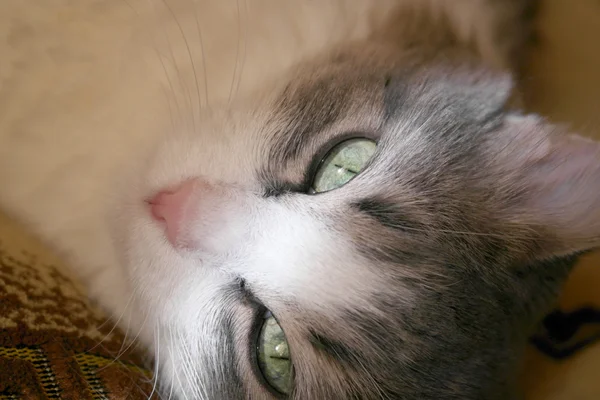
[(175, 207)]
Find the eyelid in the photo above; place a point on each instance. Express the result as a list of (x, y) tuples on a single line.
[(254, 332), (277, 188)]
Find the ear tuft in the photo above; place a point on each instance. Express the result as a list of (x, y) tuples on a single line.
[(477, 93), (483, 90)]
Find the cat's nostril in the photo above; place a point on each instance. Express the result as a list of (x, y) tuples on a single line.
[(173, 207)]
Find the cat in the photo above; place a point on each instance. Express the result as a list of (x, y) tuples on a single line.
[(357, 171)]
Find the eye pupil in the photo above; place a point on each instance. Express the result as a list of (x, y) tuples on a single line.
[(343, 163)]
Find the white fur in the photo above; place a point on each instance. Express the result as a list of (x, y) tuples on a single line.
[(84, 100)]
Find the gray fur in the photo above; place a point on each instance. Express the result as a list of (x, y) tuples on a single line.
[(430, 212)]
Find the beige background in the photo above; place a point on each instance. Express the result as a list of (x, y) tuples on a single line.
[(563, 82)]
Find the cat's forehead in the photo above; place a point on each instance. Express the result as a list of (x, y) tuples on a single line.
[(319, 106), (417, 113)]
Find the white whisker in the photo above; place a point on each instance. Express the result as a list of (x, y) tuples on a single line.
[(191, 58), (131, 343), (174, 343), (114, 325), (237, 52), (244, 49), (156, 333), (205, 73)]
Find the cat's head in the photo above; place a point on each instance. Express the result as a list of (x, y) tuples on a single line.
[(397, 222)]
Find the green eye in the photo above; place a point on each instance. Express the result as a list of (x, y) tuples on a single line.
[(274, 356), (343, 163)]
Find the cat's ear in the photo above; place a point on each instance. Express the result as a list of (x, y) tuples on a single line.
[(550, 183), (472, 93), (482, 92)]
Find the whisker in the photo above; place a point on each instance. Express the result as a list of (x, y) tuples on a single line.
[(191, 58), (166, 93), (188, 363), (237, 53), (171, 383), (114, 325), (205, 72), (159, 56), (110, 319), (76, 371), (184, 88), (156, 359), (173, 364), (132, 342), (245, 48)]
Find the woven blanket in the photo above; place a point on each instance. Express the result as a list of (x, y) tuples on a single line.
[(53, 343)]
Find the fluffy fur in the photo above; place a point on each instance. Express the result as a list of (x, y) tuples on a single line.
[(420, 278)]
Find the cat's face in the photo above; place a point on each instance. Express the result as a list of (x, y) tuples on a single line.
[(407, 279)]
